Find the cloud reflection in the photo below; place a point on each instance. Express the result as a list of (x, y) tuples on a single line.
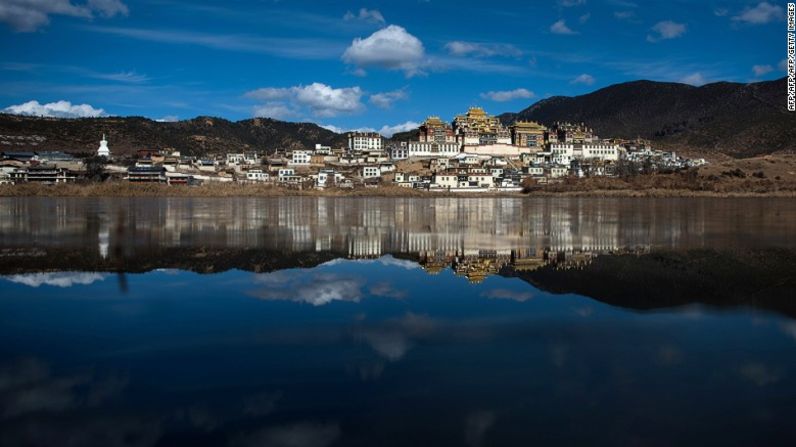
[(393, 339), (28, 386), (319, 288), (56, 279), (507, 294)]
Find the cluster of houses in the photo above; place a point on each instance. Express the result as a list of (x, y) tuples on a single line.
[(475, 152)]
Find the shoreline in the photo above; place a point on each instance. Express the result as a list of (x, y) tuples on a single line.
[(249, 190)]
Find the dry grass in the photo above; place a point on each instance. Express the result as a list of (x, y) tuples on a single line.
[(125, 189)]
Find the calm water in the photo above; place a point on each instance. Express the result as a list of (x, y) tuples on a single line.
[(331, 322)]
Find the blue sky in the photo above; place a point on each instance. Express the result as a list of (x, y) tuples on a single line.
[(384, 65)]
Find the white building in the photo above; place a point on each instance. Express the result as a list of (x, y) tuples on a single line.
[(236, 159), (445, 180), (300, 158), (322, 150), (432, 149), (562, 154), (407, 180), (370, 171), (103, 150), (399, 152), (604, 152), (327, 177), (285, 172), (363, 141), (257, 175)]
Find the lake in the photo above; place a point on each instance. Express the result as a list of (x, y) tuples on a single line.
[(378, 321)]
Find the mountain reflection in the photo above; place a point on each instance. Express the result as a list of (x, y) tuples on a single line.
[(602, 248)]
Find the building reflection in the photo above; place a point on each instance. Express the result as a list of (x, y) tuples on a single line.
[(475, 237)]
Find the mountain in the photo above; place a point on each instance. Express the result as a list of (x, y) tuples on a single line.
[(740, 120), (128, 134)]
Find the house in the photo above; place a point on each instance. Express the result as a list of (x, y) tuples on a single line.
[(406, 180), (252, 158), (327, 177), (439, 164), (370, 172), (285, 172), (146, 174), (206, 165), (446, 180), (558, 171), (235, 159), (362, 141), (300, 158), (42, 173), (399, 151), (176, 178), (481, 180), (535, 171), (322, 150), (24, 157), (257, 175)]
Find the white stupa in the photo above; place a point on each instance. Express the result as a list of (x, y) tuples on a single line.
[(103, 150)]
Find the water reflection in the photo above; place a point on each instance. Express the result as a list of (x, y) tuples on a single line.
[(324, 322)]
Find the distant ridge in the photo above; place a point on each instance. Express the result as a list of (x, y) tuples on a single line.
[(740, 120), (196, 136)]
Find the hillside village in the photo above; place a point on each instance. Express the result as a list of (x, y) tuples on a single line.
[(475, 152)]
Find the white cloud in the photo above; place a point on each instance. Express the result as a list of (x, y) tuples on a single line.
[(385, 100), (462, 48), (168, 119), (585, 79), (389, 131), (508, 95), (287, 47), (366, 15), (275, 110), (391, 48), (338, 129), (60, 109), (694, 79), (571, 3), (30, 15), (333, 128), (584, 18), (326, 101), (129, 77), (319, 99), (783, 65), (760, 70), (56, 279), (666, 30), (624, 15), (764, 12), (720, 12), (560, 27)]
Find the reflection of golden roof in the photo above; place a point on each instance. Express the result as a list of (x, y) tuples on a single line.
[(433, 269), (476, 277), (529, 264)]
